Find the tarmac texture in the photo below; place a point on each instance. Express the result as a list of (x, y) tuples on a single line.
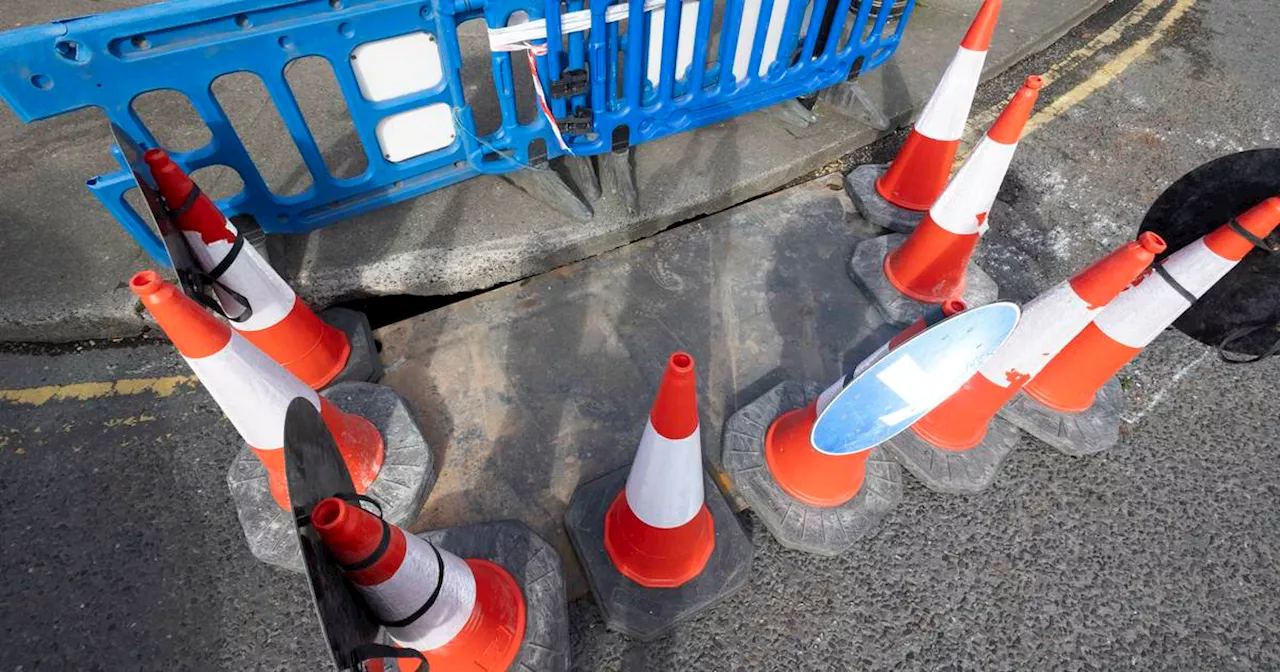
[(120, 547)]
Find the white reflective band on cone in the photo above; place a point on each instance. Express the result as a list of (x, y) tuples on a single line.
[(1144, 310), (973, 190), (249, 275), (1048, 323), (406, 591), (664, 488), (684, 49), (252, 389), (947, 111)]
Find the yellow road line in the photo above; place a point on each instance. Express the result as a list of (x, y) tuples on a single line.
[(979, 123), (38, 396), (1109, 70)]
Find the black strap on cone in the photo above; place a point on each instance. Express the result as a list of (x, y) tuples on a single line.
[(195, 282), (1240, 314)]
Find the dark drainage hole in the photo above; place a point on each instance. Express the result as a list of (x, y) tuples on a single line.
[(384, 310)]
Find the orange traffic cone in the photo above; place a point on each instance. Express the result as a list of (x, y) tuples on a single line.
[(657, 540), (1048, 323), (277, 321), (918, 175), (658, 531), (930, 265), (1128, 324), (252, 390), (799, 468), (461, 614)]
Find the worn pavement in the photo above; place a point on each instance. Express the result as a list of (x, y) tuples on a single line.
[(67, 260)]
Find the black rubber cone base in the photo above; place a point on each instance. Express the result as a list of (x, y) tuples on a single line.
[(956, 472), (827, 531), (1201, 201), (866, 267), (646, 613), (537, 568), (860, 185), (363, 364), (401, 487), (1077, 434)]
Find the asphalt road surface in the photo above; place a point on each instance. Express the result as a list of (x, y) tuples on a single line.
[(119, 548)]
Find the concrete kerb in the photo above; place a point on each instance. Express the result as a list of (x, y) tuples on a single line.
[(860, 185), (866, 267), (821, 531), (537, 568), (328, 271), (956, 472), (1076, 434), (646, 613), (401, 487)]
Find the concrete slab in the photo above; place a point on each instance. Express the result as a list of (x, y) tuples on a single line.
[(467, 237), (529, 390)]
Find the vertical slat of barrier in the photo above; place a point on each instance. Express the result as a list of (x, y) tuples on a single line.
[(744, 39), (837, 28), (771, 52), (596, 49), (549, 66), (362, 117), (811, 37), (688, 34), (761, 39), (855, 32), (670, 40), (577, 50), (790, 33), (505, 86), (229, 148), (287, 105), (635, 54), (883, 52), (735, 14), (701, 43), (874, 35), (612, 49)]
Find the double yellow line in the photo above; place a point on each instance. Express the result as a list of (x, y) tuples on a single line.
[(1105, 74)]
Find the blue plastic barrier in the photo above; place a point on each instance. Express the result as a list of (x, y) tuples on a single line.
[(107, 61)]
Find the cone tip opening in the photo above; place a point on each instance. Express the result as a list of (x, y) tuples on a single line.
[(1034, 82), (681, 362), (1152, 242), (155, 157), (953, 307), (146, 283), (328, 513)]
